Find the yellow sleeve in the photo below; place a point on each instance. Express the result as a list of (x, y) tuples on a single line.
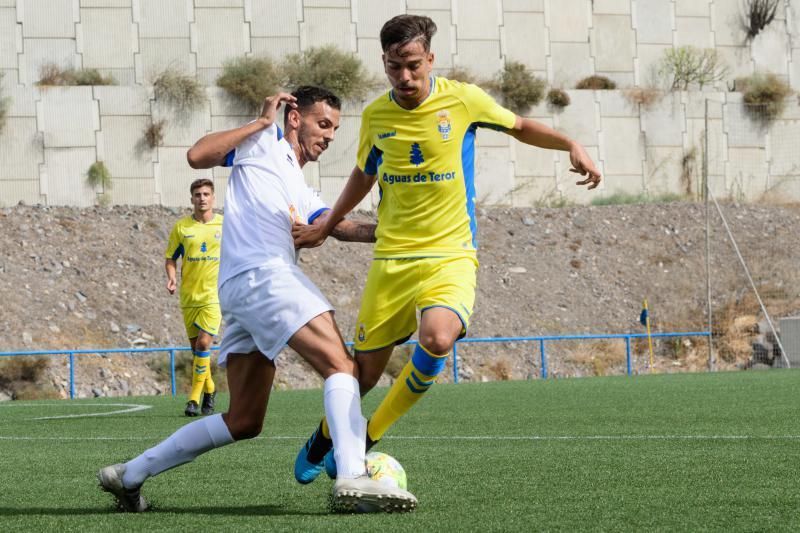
[(174, 245), (484, 110), (368, 154)]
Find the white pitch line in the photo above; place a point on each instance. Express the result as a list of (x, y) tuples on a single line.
[(461, 437), (131, 408)]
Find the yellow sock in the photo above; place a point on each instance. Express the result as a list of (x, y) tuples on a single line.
[(326, 431), (209, 386), (415, 379), (200, 371)]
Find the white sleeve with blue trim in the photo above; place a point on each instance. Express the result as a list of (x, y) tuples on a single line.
[(314, 205), (255, 147)]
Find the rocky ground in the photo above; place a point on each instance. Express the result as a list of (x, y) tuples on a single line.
[(94, 278)]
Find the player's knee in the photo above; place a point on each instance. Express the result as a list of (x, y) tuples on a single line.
[(436, 342)]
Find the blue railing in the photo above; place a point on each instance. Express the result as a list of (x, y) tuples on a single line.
[(541, 339)]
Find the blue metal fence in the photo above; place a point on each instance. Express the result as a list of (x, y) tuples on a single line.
[(541, 340)]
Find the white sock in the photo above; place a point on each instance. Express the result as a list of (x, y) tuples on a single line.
[(348, 427), (181, 447)]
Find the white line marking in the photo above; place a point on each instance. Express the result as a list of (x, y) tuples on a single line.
[(463, 437), (131, 408)]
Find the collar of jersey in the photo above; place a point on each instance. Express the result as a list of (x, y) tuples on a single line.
[(432, 81)]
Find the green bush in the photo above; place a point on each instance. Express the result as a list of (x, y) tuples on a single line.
[(596, 83), (518, 88), (328, 67), (98, 176), (558, 98), (684, 66), (180, 91), (250, 79), (764, 94), (52, 74)]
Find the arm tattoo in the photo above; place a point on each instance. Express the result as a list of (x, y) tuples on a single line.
[(350, 231)]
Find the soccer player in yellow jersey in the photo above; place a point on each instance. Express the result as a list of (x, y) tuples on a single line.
[(196, 238), (417, 142)]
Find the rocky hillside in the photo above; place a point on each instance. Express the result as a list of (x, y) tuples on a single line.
[(94, 278)]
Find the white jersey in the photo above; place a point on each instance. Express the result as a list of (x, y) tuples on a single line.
[(266, 192)]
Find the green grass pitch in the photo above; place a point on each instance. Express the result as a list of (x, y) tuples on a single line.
[(663, 452)]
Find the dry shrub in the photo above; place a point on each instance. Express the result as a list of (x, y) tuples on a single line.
[(22, 375), (463, 75), (558, 98), (764, 95), (154, 133), (518, 88), (52, 74), (5, 102), (643, 96), (501, 369), (331, 68), (181, 91), (684, 66), (250, 79), (596, 83), (600, 356)]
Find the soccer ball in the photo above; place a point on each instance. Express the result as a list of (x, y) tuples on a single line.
[(386, 469)]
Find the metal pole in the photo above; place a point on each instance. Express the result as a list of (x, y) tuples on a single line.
[(706, 190), (455, 363), (172, 370), (628, 354), (544, 358), (71, 376)]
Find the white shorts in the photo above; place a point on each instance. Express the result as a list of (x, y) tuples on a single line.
[(263, 307)]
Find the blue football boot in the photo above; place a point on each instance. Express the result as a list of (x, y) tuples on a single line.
[(311, 457)]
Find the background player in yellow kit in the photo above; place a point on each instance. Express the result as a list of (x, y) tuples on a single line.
[(417, 142), (196, 238)]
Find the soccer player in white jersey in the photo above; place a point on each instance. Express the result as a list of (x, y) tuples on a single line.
[(267, 302)]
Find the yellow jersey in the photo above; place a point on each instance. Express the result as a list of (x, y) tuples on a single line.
[(424, 162), (199, 245)]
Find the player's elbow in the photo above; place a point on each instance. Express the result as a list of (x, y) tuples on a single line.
[(194, 159)]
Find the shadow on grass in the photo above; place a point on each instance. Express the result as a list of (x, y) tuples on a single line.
[(243, 510)]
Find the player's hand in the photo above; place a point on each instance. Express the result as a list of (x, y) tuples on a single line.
[(582, 164), (171, 286), (308, 236), (271, 105)]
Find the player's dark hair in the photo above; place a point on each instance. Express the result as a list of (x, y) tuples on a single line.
[(308, 95), (202, 182), (402, 29)]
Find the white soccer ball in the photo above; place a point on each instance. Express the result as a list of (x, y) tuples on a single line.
[(386, 469)]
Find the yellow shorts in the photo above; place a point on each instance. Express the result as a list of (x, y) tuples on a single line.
[(206, 318), (396, 288)]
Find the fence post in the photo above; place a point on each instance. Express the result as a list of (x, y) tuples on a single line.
[(628, 353), (71, 375), (172, 370), (455, 363), (544, 358)]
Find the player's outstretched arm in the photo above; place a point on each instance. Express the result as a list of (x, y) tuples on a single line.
[(357, 187), (210, 150), (535, 133)]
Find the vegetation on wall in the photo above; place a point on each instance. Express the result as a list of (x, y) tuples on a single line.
[(52, 74), (517, 87), (328, 67), (764, 94), (686, 66), (154, 133), (179, 90), (250, 80), (597, 83), (99, 176), (558, 98), (5, 102), (758, 14)]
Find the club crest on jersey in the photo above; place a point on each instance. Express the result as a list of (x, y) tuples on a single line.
[(362, 333), (293, 215), (203, 247), (444, 126)]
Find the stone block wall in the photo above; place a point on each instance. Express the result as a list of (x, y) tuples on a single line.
[(53, 135)]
